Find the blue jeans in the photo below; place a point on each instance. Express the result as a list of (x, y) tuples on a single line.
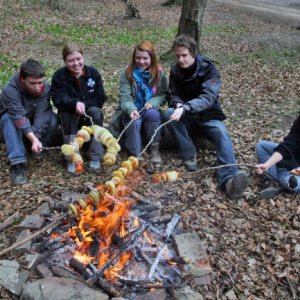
[(149, 121), (13, 137), (280, 171), (215, 131)]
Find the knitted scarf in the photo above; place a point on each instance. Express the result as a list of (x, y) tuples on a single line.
[(143, 89)]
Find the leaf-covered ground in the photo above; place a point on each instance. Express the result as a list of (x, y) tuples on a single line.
[(253, 244)]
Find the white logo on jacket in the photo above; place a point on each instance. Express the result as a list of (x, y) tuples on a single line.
[(91, 82)]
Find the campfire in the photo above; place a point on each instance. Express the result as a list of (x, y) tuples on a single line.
[(108, 241)]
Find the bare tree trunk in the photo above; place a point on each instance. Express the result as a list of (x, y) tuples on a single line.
[(171, 2), (55, 4), (131, 10), (191, 19)]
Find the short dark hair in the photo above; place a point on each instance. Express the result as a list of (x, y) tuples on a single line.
[(33, 68), (186, 41)]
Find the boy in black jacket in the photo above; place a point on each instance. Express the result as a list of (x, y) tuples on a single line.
[(281, 161)]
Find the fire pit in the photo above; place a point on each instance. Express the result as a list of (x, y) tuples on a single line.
[(110, 240)]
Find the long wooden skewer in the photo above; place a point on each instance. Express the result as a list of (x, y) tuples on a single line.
[(16, 245), (128, 125)]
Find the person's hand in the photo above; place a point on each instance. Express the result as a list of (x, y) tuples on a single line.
[(80, 108), (148, 105), (36, 146), (177, 114), (134, 114), (260, 168)]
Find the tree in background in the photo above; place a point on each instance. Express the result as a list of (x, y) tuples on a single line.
[(191, 19)]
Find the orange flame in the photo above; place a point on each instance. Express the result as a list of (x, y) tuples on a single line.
[(99, 223)]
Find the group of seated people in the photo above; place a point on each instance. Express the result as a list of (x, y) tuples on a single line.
[(28, 122)]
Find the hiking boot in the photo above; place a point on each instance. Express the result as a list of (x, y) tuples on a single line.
[(236, 185), (191, 164), (70, 167), (270, 192), (155, 157), (18, 174), (95, 165)]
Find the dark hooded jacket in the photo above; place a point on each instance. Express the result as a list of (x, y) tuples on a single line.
[(29, 113), (199, 93), (290, 146), (66, 90)]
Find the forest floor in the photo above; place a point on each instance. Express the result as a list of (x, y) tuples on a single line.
[(253, 244)]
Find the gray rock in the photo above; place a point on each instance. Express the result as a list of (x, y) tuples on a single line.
[(43, 209), (60, 289), (187, 293), (159, 294), (32, 222), (24, 248), (11, 278), (43, 271), (71, 196), (190, 247)]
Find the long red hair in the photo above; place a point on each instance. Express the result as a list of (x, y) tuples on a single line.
[(154, 66)]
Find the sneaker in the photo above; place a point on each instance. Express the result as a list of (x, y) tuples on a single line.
[(270, 192), (95, 165), (70, 167), (293, 183), (191, 164), (236, 185), (18, 174)]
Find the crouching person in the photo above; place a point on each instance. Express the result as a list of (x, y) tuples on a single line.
[(26, 116), (281, 162), (194, 106)]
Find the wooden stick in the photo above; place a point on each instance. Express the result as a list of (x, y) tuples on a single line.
[(222, 166), (15, 245), (11, 219), (116, 255), (153, 136), (128, 125)]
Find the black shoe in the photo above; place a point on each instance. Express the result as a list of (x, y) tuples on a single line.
[(270, 192), (191, 164), (293, 183), (18, 174), (236, 185)]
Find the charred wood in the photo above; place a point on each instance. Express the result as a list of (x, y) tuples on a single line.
[(171, 226), (160, 219), (131, 240)]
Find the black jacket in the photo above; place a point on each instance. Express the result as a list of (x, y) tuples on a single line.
[(199, 93), (66, 90), (291, 143)]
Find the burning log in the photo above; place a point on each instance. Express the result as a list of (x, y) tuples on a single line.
[(171, 225), (87, 273), (133, 237)]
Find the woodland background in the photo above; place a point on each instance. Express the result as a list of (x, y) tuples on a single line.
[(253, 244)]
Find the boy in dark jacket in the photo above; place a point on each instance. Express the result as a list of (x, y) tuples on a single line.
[(26, 112), (281, 161), (194, 105)]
